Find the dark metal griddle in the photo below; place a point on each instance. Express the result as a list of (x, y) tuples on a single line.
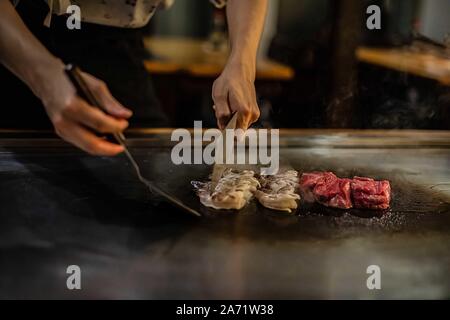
[(61, 207)]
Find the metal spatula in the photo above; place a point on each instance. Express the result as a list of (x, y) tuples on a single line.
[(74, 74)]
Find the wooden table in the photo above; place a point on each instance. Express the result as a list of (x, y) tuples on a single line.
[(184, 70), (193, 57), (426, 65)]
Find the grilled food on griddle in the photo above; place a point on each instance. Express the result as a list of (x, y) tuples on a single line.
[(370, 194), (278, 191), (233, 191), (327, 189), (236, 188)]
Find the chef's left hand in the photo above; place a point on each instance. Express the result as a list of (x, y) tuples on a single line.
[(234, 91)]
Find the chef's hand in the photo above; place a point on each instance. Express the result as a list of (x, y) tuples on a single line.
[(76, 121), (73, 118), (234, 91)]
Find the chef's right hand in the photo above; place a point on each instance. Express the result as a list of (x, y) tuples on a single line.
[(75, 120)]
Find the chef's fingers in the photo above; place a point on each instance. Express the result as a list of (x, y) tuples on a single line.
[(105, 98), (250, 106), (255, 113), (94, 118), (82, 138), (111, 105), (222, 111), (245, 113)]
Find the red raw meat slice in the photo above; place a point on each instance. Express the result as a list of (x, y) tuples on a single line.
[(333, 192), (327, 189), (370, 194), (307, 183)]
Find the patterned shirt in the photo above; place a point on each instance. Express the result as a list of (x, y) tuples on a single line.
[(117, 13)]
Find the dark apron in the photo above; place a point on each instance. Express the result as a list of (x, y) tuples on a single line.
[(112, 54)]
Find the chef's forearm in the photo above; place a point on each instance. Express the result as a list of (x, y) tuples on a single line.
[(246, 22), (21, 52)]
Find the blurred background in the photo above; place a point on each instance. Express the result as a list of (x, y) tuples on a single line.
[(318, 66)]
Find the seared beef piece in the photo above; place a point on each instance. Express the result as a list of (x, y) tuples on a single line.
[(331, 191), (307, 183), (327, 189), (370, 194), (334, 193)]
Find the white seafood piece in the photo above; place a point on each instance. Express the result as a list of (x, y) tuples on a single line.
[(279, 202), (278, 192), (233, 191)]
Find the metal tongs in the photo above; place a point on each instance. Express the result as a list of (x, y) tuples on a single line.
[(74, 74)]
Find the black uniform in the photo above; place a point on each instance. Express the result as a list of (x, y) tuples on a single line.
[(114, 55)]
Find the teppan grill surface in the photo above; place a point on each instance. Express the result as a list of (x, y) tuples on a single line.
[(60, 207)]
